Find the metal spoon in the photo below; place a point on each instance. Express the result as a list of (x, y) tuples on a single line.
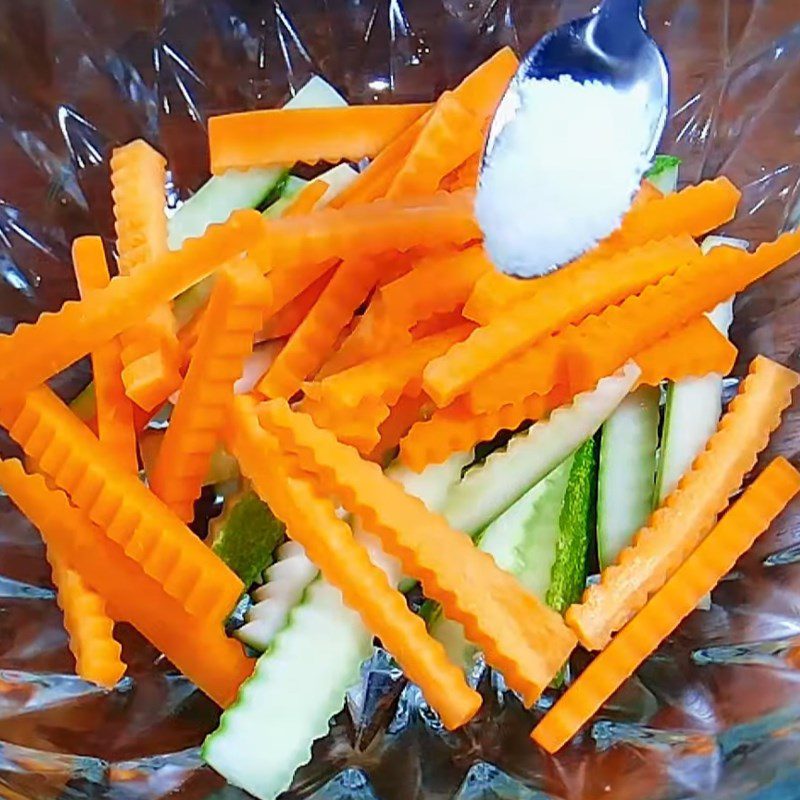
[(612, 46)]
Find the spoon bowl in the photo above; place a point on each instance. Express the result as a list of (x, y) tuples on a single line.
[(611, 46)]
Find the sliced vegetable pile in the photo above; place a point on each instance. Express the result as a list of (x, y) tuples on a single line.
[(377, 407)]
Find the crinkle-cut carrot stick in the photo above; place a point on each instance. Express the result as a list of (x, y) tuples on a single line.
[(359, 231), (465, 176), (522, 638), (694, 350), (406, 412), (33, 353), (747, 519), (438, 323), (311, 520), (89, 627), (584, 353), (647, 192), (480, 92), (451, 134), (65, 450), (687, 515), (115, 425), (307, 198), (375, 180), (389, 375), (695, 210), (357, 426), (150, 349), (286, 321), (315, 337), (268, 137), (198, 646), (456, 428), (288, 283), (138, 179), (570, 295), (399, 305), (235, 312)]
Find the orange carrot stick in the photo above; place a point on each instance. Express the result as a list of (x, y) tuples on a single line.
[(315, 337), (465, 176), (402, 416), (695, 210), (115, 425), (287, 319), (451, 134), (198, 646), (376, 179), (600, 344), (150, 349), (65, 450), (694, 350), (689, 512), (307, 198), (748, 518), (456, 429), (360, 231), (311, 520), (357, 426), (522, 638), (389, 375), (88, 625), (570, 295), (33, 353), (438, 323), (479, 92), (399, 305), (268, 137), (235, 312)]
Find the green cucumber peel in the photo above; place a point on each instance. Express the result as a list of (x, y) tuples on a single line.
[(576, 526), (245, 535), (664, 173)]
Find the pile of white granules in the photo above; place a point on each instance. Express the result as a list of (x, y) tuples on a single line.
[(561, 174)]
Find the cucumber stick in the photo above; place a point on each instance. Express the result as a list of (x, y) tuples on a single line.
[(629, 443), (286, 582), (489, 489), (288, 702), (693, 405), (627, 472), (542, 540), (301, 681), (221, 195), (664, 173)]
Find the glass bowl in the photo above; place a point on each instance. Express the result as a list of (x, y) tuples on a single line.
[(714, 714)]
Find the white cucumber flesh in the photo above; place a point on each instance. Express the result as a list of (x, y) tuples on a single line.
[(489, 489), (298, 685), (693, 405), (626, 477), (286, 581)]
